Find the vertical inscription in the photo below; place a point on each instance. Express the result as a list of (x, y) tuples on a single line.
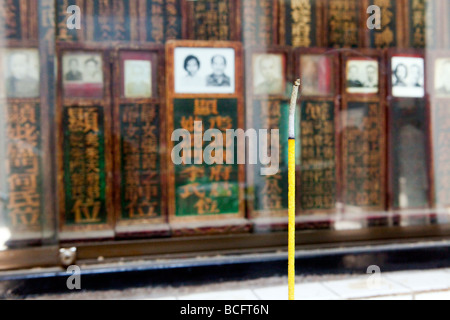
[(212, 20), (202, 190), (318, 157), (23, 166), (122, 20), (84, 165), (62, 32), (301, 18), (422, 23), (258, 22), (343, 23), (299, 25), (10, 13), (387, 36), (160, 20), (141, 181), (363, 153), (270, 191), (103, 22)]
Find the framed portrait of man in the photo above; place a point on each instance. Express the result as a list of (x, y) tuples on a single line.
[(82, 75), (269, 74), (362, 76), (21, 76), (139, 74), (408, 77), (204, 70), (442, 77)]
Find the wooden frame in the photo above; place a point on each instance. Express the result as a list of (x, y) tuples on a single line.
[(33, 235), (366, 54), (392, 102), (142, 226), (333, 97), (265, 219), (62, 33), (94, 231), (180, 223)]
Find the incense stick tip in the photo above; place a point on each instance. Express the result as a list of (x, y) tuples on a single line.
[(297, 83)]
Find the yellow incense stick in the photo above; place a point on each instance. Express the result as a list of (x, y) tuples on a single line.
[(291, 249)]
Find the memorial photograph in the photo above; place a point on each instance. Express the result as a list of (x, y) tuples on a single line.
[(138, 79), (82, 75), (269, 74), (22, 73), (408, 77), (204, 70), (362, 76)]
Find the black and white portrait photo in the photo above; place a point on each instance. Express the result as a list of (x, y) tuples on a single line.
[(204, 70), (74, 73), (442, 77), (268, 74), (83, 75), (138, 79), (362, 76), (22, 73), (408, 77)]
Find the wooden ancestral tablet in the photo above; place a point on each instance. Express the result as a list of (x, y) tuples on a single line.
[(112, 21), (409, 161), (204, 198), (139, 123), (63, 33), (24, 186), (268, 97), (318, 138), (260, 26), (15, 19), (301, 23), (212, 20), (26, 172), (363, 137), (343, 23), (392, 32), (84, 144)]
